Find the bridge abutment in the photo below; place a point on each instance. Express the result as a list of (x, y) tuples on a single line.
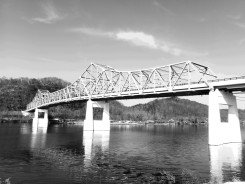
[(40, 119), (223, 132), (90, 123)]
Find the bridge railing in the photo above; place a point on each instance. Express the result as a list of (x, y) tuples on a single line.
[(228, 79)]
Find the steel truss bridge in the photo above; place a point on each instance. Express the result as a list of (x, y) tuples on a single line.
[(99, 82)]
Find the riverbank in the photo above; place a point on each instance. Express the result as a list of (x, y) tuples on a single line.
[(18, 116), (57, 121), (150, 122)]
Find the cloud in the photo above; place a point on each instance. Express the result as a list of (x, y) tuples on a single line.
[(235, 17), (92, 32), (242, 41), (241, 25), (51, 15), (149, 41), (160, 6), (201, 19), (146, 40), (138, 38)]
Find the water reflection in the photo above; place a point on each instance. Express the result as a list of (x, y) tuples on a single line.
[(95, 143), (225, 162), (25, 128), (38, 137), (67, 154)]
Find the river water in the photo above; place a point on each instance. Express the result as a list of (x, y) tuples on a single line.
[(66, 154)]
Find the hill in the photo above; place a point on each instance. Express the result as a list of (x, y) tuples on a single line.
[(15, 94), (170, 108)]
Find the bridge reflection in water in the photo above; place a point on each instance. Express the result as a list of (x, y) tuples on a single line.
[(38, 137), (225, 162), (94, 142)]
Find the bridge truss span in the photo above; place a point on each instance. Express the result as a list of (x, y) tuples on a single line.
[(101, 82)]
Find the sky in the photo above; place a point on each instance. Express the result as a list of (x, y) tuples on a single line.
[(60, 38)]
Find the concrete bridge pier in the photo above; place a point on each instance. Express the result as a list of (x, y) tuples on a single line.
[(40, 119), (223, 132), (90, 123)]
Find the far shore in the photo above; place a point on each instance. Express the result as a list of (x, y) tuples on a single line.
[(56, 121)]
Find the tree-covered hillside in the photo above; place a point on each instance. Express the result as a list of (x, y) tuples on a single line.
[(170, 108), (163, 110), (15, 94)]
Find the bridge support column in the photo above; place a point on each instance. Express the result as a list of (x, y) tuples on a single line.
[(223, 132), (40, 119), (90, 123)]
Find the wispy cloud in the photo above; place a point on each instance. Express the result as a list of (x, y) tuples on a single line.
[(51, 14), (92, 32), (242, 41), (163, 8), (149, 41), (235, 16), (241, 25), (202, 19), (137, 38)]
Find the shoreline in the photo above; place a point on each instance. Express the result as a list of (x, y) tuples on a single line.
[(80, 122)]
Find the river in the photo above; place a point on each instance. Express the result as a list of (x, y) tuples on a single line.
[(66, 154)]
